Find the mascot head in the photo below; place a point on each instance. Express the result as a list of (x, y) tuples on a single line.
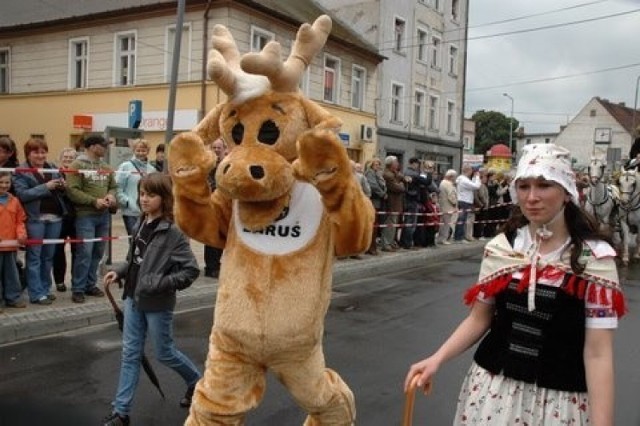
[(263, 117)]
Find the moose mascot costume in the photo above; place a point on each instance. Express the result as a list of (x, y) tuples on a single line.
[(286, 203)]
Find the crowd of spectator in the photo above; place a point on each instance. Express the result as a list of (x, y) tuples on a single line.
[(418, 208), (69, 200)]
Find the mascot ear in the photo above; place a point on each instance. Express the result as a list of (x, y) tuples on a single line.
[(319, 118), (209, 128)]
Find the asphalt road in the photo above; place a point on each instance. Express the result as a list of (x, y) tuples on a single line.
[(374, 330)]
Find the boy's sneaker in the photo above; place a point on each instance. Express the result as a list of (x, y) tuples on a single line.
[(94, 291), (115, 419), (77, 298), (44, 300), (188, 396)]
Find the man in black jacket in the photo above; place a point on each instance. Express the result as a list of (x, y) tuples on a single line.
[(415, 183)]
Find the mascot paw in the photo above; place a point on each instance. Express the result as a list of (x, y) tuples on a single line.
[(189, 159), (321, 157)]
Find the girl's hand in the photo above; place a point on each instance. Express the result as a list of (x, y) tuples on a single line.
[(110, 277), (425, 370)]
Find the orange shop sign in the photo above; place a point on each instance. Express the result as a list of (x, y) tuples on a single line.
[(81, 121)]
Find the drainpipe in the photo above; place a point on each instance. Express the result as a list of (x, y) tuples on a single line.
[(205, 52), (464, 81)]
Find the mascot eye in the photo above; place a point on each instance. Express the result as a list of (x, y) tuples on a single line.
[(269, 133), (237, 133)]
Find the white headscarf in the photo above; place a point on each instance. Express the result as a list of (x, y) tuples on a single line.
[(550, 162)]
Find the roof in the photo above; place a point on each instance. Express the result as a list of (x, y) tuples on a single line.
[(29, 12), (621, 113), (499, 150), (23, 15)]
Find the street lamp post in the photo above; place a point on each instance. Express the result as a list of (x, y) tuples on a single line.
[(510, 124), (635, 108)]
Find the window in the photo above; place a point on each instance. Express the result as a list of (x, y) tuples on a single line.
[(5, 76), (466, 143), (184, 65), (331, 78), (433, 112), (592, 113), (399, 28), (453, 60), (436, 42), (418, 109), (423, 40), (260, 38), (451, 107), (125, 59), (78, 63), (528, 142), (547, 140), (397, 93), (437, 5), (358, 84), (455, 10)]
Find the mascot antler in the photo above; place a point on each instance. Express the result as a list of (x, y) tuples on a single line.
[(223, 67), (249, 76), (285, 76)]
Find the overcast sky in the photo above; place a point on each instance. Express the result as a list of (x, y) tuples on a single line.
[(501, 63)]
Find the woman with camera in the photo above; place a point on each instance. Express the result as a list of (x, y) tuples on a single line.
[(41, 197)]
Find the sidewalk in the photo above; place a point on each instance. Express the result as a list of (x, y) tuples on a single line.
[(63, 315)]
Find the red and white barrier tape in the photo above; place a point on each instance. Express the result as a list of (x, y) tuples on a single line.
[(37, 242), (404, 225), (475, 209), (85, 172)]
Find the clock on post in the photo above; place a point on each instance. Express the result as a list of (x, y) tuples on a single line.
[(602, 135)]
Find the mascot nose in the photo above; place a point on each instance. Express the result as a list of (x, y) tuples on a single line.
[(257, 172)]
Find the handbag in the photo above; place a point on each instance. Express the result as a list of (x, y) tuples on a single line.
[(410, 397)]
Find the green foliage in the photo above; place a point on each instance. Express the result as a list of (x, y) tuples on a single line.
[(492, 127)]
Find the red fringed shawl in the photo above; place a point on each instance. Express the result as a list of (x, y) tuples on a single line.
[(597, 284)]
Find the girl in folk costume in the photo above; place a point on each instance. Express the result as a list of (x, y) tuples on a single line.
[(546, 304)]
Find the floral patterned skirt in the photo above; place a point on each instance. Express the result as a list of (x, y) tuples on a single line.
[(487, 399)]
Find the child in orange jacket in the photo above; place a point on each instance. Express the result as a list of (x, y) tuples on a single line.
[(12, 227)]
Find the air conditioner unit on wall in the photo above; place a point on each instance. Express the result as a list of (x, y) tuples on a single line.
[(366, 133)]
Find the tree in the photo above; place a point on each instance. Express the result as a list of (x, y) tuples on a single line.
[(492, 127)]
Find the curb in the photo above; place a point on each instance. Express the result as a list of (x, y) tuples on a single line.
[(38, 322)]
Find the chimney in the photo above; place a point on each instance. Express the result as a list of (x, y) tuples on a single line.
[(621, 104)]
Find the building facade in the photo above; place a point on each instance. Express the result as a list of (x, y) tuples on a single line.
[(75, 68), (421, 84), (601, 128)]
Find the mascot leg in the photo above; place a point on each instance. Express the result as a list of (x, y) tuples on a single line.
[(318, 390), (231, 386)]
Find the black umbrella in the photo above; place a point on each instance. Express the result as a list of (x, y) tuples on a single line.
[(146, 365)]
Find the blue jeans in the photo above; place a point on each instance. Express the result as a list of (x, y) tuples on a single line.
[(10, 287), (409, 225), (159, 325), (39, 258), (130, 223), (462, 220), (88, 255)]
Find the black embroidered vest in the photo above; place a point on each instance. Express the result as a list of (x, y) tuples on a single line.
[(544, 346)]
